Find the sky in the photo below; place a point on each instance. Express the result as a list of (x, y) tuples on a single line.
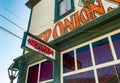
[(10, 46)]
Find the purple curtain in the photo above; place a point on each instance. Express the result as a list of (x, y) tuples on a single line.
[(102, 51), (33, 74), (107, 75), (116, 43), (83, 57), (68, 62), (46, 71)]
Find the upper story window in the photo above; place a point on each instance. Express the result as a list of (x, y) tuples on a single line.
[(63, 8)]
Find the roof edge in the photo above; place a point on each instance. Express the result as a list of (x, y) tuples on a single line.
[(31, 3)]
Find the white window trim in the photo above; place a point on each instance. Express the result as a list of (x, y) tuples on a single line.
[(46, 81), (94, 67)]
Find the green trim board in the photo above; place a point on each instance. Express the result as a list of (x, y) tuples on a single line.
[(22, 73), (57, 69), (24, 57), (33, 44), (29, 58)]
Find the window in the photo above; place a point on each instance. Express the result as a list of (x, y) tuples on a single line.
[(33, 74), (41, 72), (116, 43), (68, 62), (63, 8), (108, 75), (46, 71), (95, 61), (83, 57), (102, 51)]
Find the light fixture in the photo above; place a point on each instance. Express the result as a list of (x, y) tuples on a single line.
[(13, 71)]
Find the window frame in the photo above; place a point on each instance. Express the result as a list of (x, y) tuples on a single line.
[(39, 63), (94, 66), (57, 10)]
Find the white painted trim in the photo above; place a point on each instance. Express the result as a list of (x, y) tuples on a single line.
[(26, 75), (96, 76), (46, 81), (39, 73), (112, 49), (78, 71), (61, 67), (75, 60)]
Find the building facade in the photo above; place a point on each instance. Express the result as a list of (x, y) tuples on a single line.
[(80, 42)]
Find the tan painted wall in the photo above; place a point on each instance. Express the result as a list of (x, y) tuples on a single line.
[(42, 16)]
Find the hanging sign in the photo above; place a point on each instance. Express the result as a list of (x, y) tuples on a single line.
[(32, 43)]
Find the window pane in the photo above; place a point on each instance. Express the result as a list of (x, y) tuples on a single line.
[(68, 62), (62, 7), (46, 71), (68, 2), (65, 5), (83, 57), (107, 75), (116, 43), (102, 51), (86, 77), (33, 74)]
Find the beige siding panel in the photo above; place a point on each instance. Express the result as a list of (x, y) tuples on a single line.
[(42, 16)]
